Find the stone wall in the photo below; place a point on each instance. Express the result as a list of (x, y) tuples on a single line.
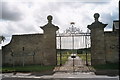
[(37, 49), (32, 44), (30, 49), (112, 46)]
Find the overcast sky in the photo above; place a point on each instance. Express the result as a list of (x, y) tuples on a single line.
[(25, 16)]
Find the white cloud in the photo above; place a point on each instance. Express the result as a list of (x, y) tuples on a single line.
[(10, 13), (28, 15), (57, 0)]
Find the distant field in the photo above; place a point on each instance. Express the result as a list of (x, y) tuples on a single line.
[(64, 58), (83, 57)]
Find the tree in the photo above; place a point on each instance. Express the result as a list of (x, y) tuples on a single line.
[(3, 38)]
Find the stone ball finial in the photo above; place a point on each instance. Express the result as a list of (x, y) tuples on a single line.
[(96, 16), (49, 18)]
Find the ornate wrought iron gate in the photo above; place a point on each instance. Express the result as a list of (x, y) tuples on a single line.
[(72, 39)]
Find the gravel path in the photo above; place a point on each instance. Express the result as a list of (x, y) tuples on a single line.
[(77, 62), (79, 66)]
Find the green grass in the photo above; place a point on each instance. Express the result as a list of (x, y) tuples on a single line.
[(32, 68), (64, 58), (108, 66), (0, 68), (66, 55), (83, 57)]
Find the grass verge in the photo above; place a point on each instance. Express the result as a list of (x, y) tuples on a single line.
[(108, 66), (32, 68)]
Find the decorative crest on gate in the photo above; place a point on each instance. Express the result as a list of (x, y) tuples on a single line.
[(70, 31), (73, 30)]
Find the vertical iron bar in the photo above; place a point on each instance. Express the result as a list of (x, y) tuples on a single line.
[(23, 56), (73, 44), (86, 49), (73, 49), (60, 53)]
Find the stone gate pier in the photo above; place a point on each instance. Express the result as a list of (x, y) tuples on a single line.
[(97, 41), (49, 43)]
